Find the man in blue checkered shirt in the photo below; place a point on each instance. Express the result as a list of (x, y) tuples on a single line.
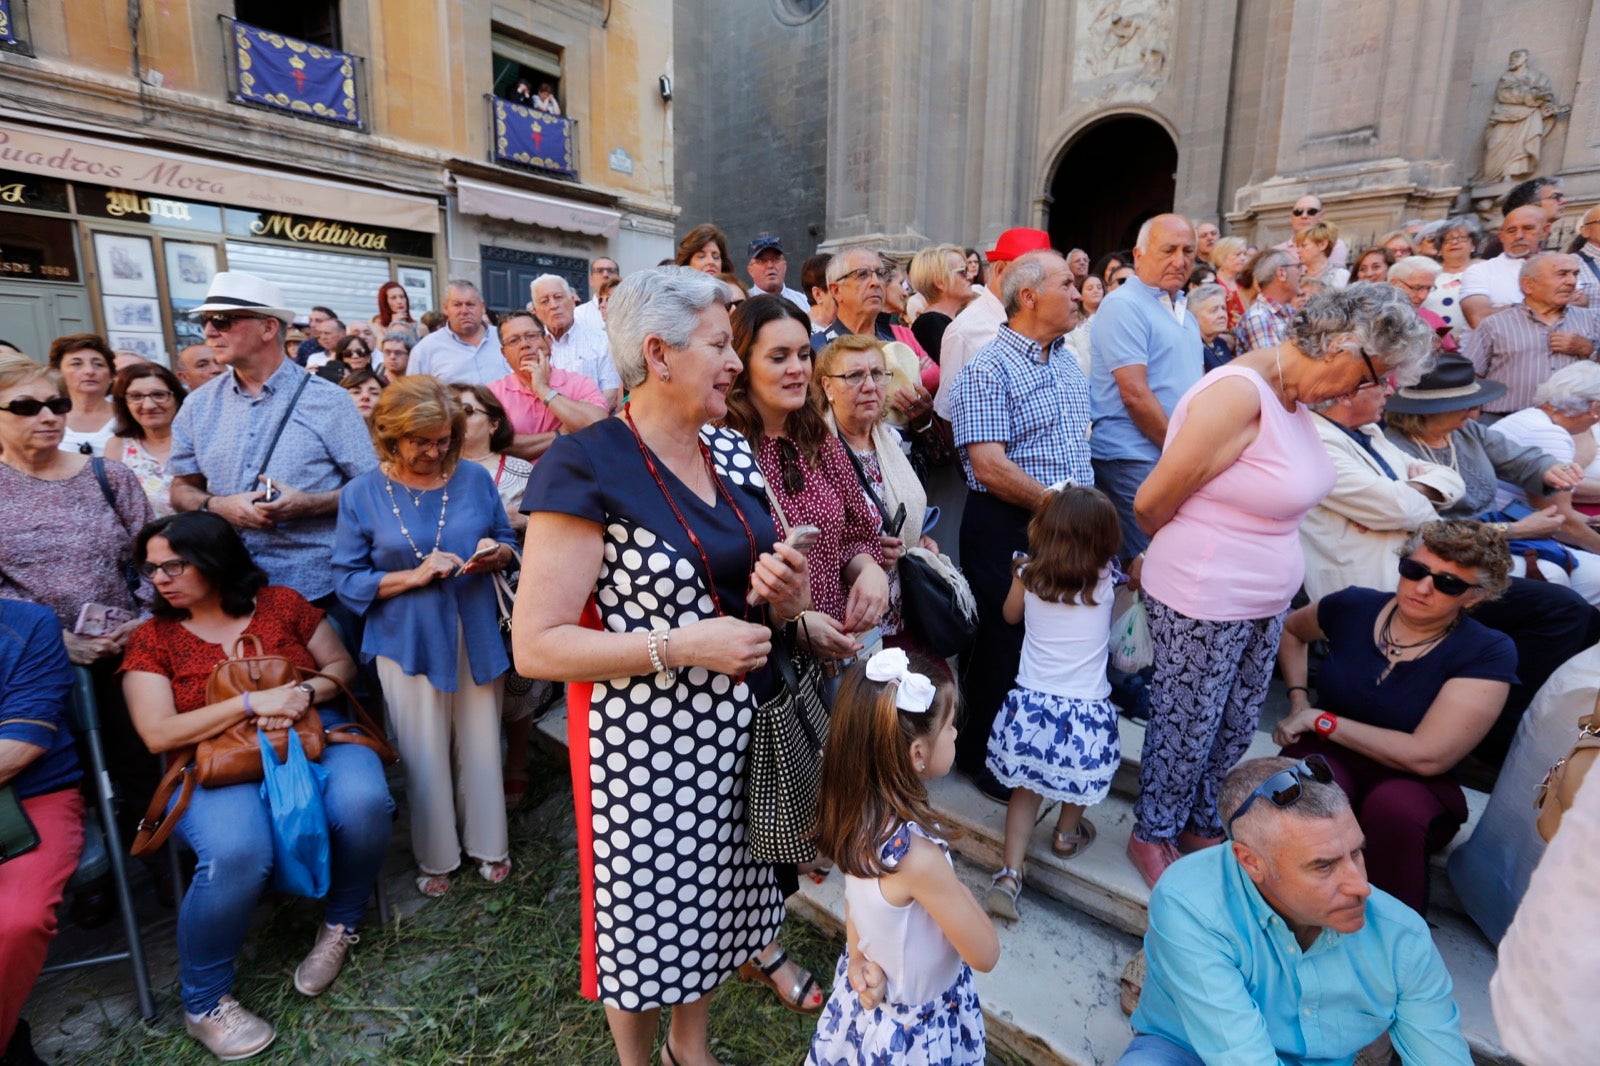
[(1020, 409)]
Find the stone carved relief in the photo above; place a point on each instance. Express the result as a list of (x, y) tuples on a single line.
[(1524, 112), (1125, 43)]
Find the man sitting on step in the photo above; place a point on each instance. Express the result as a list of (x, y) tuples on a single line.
[(1276, 949)]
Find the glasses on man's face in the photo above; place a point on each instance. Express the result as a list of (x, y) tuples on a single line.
[(613, 271), (160, 398), (171, 568), (223, 321), (789, 465), (1302, 212), (864, 273), (1284, 788), (432, 447), (521, 340), (28, 407), (857, 378), (1448, 584)]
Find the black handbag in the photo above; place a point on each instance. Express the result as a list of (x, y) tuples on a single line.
[(17, 833), (783, 766), (932, 607)]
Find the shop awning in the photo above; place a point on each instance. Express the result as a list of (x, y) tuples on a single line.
[(161, 172), (532, 209)]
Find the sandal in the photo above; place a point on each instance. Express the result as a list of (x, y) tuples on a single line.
[(1071, 845), (515, 788), (495, 872), (762, 972), (433, 885), (1000, 901), (817, 869)]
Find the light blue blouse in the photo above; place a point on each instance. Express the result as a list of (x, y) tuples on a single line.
[(418, 628)]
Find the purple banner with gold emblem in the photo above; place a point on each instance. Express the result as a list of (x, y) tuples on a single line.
[(294, 75), (532, 138), (7, 27)]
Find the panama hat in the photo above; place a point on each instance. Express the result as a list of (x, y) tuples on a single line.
[(236, 291)]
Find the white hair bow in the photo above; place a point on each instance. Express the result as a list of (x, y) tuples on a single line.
[(1062, 485), (913, 691)]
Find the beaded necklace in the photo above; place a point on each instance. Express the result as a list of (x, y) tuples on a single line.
[(416, 502), (721, 490)]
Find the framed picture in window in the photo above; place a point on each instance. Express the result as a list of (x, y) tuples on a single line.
[(127, 265)]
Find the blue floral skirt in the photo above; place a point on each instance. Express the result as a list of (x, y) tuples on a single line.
[(947, 1031), (1061, 747)]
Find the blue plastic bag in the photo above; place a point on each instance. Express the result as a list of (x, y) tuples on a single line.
[(293, 790)]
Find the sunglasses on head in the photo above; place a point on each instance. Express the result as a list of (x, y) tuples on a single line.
[(794, 473), (1284, 788), (1449, 584), (27, 406)]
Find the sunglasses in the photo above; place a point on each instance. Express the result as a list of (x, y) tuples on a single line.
[(222, 321), (27, 406), (172, 568), (789, 465), (1284, 788), (1302, 212), (1449, 584)]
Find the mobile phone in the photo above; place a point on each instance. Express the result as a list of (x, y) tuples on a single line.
[(269, 489), (98, 620), (894, 525), (481, 553), (801, 538)]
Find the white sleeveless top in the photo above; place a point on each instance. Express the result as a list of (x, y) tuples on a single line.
[(1064, 645), (917, 959)]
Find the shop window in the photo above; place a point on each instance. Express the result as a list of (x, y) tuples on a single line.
[(314, 21), (528, 74)]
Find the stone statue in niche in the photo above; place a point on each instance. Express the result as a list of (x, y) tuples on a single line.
[(1524, 112), (1124, 37)]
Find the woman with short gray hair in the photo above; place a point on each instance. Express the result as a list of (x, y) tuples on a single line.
[(661, 586), (1242, 465), (1565, 411), (1458, 249)]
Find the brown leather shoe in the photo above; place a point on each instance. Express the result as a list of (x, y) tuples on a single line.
[(324, 961), (230, 1032), (1151, 860)]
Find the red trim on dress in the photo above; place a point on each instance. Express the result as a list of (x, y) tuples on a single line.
[(579, 695)]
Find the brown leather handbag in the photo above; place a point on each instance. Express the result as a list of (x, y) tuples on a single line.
[(1561, 784), (233, 756)]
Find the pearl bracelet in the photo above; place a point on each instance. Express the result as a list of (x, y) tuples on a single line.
[(658, 656)]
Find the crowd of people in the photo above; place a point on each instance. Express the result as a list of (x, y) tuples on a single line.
[(1371, 473)]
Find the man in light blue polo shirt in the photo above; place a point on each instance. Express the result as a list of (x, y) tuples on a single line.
[(466, 350), (1145, 353), (1274, 948)]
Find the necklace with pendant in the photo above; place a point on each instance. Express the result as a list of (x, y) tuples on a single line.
[(1395, 652), (416, 503)]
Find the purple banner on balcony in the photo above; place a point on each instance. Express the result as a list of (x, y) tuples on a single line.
[(6, 34), (295, 75), (533, 138)]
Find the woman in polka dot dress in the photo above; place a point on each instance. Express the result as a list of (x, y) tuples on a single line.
[(654, 530)]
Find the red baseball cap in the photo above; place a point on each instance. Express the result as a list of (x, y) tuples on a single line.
[(1015, 243)]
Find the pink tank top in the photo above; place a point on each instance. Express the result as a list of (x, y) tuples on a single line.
[(1232, 552)]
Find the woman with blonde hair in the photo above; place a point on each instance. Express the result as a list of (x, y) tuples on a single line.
[(1229, 257), (1316, 246), (416, 543), (939, 274)]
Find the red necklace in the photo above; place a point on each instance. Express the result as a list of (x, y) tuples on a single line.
[(721, 490)]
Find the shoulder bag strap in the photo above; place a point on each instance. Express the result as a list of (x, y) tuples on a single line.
[(158, 823), (130, 576), (866, 482), (272, 444), (1589, 262)]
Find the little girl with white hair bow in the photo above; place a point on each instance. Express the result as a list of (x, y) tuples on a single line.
[(892, 729)]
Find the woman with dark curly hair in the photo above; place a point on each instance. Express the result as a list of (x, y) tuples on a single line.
[(705, 249), (208, 594), (1242, 465), (1410, 686)]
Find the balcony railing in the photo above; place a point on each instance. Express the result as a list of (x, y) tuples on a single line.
[(280, 73), (528, 137), (15, 35)]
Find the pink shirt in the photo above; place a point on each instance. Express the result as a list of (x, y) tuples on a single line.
[(1232, 552), (527, 411)]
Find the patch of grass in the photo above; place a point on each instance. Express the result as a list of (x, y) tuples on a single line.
[(486, 974)]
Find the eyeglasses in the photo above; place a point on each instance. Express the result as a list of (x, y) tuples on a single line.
[(864, 273), (1556, 195), (1372, 371), (223, 321), (517, 340), (470, 410), (606, 270), (1114, 282), (1466, 238), (1284, 788), (171, 568), (1302, 212), (27, 406), (1449, 584), (431, 446), (857, 378), (160, 398), (789, 465)]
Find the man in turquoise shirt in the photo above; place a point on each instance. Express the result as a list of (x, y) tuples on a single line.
[(1273, 948)]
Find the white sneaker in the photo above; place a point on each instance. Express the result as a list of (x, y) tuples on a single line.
[(230, 1032)]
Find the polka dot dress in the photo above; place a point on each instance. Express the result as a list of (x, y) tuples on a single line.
[(678, 904)]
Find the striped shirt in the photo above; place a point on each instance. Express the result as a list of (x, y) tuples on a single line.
[(1266, 324), (1512, 346), (1589, 273), (1034, 402)]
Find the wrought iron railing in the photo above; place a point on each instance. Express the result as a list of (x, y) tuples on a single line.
[(281, 73)]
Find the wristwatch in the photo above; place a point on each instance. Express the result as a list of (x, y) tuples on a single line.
[(1325, 724), (205, 504), (550, 396), (311, 693)]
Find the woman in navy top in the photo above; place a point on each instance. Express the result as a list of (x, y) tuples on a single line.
[(406, 555), (1410, 686)]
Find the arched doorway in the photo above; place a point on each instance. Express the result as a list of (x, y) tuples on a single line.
[(1111, 178)]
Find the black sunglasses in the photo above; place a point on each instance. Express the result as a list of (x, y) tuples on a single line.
[(1449, 584), (222, 320), (27, 406), (1284, 788), (794, 473), (1302, 212)]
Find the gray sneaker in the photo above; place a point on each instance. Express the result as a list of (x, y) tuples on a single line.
[(230, 1032), (324, 961)]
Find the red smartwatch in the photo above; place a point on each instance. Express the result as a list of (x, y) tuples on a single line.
[(1325, 724)]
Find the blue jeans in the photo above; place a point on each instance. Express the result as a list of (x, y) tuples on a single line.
[(1147, 1050), (1120, 479), (230, 830)]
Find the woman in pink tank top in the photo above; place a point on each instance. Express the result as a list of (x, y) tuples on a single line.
[(1242, 464)]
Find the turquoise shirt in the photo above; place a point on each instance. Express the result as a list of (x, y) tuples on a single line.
[(1227, 978)]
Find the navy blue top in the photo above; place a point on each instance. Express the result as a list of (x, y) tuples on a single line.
[(35, 686), (1347, 683), (418, 628)]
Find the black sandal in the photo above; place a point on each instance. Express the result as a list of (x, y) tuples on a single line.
[(756, 970)]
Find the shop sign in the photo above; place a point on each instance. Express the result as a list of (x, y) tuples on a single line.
[(36, 248), (129, 206), (328, 233), (25, 190)]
